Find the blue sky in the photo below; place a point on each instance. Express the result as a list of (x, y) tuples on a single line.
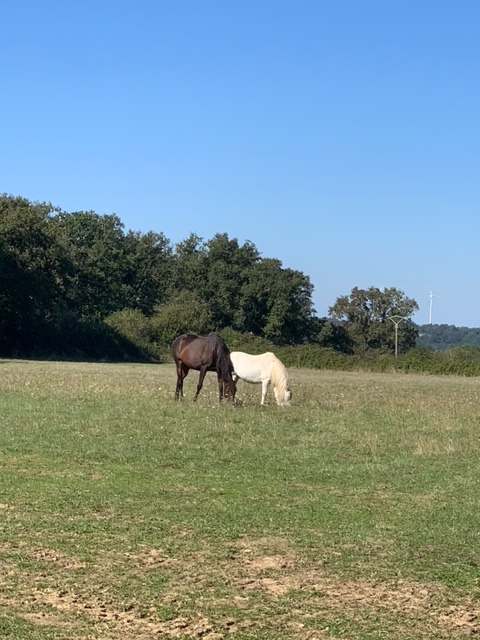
[(340, 136)]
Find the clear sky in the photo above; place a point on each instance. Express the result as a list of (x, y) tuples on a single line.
[(340, 136)]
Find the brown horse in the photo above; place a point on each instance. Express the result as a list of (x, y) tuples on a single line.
[(204, 354)]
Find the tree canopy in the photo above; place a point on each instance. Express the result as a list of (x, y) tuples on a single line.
[(67, 276), (59, 269), (369, 316)]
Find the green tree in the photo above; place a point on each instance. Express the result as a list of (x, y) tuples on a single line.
[(276, 303), (149, 270), (227, 265), (189, 267), (34, 273), (331, 335), (98, 252), (367, 315)]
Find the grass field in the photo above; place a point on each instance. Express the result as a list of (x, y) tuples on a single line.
[(124, 515)]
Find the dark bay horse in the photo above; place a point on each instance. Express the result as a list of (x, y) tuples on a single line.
[(209, 353)]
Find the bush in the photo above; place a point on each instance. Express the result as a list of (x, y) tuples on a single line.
[(134, 327), (185, 314), (247, 342)]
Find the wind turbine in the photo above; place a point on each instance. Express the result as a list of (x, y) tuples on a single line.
[(430, 302)]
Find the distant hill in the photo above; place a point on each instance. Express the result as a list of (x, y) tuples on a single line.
[(444, 336)]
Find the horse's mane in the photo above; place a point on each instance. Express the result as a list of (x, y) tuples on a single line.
[(224, 363), (278, 374)]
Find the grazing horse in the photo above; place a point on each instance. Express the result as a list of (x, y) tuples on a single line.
[(265, 368), (204, 354)]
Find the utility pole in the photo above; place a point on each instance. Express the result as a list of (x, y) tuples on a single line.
[(396, 321)]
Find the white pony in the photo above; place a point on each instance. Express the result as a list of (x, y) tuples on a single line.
[(265, 368)]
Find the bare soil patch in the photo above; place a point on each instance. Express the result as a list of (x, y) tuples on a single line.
[(258, 572)]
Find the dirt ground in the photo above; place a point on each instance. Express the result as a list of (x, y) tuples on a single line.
[(312, 601)]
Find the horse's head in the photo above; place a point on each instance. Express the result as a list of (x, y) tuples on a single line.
[(283, 399), (229, 390)]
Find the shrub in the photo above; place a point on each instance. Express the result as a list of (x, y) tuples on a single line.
[(185, 314), (133, 326)]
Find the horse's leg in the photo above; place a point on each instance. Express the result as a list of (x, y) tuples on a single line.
[(265, 384), (201, 378), (178, 366), (221, 385), (182, 371)]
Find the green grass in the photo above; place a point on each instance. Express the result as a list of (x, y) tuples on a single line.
[(353, 514)]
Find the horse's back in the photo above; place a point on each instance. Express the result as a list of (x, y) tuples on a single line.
[(184, 339), (180, 343), (250, 368), (260, 360), (198, 351)]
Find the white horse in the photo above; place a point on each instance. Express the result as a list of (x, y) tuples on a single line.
[(265, 368)]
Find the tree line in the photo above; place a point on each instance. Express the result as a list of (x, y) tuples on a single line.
[(79, 284), (445, 336)]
